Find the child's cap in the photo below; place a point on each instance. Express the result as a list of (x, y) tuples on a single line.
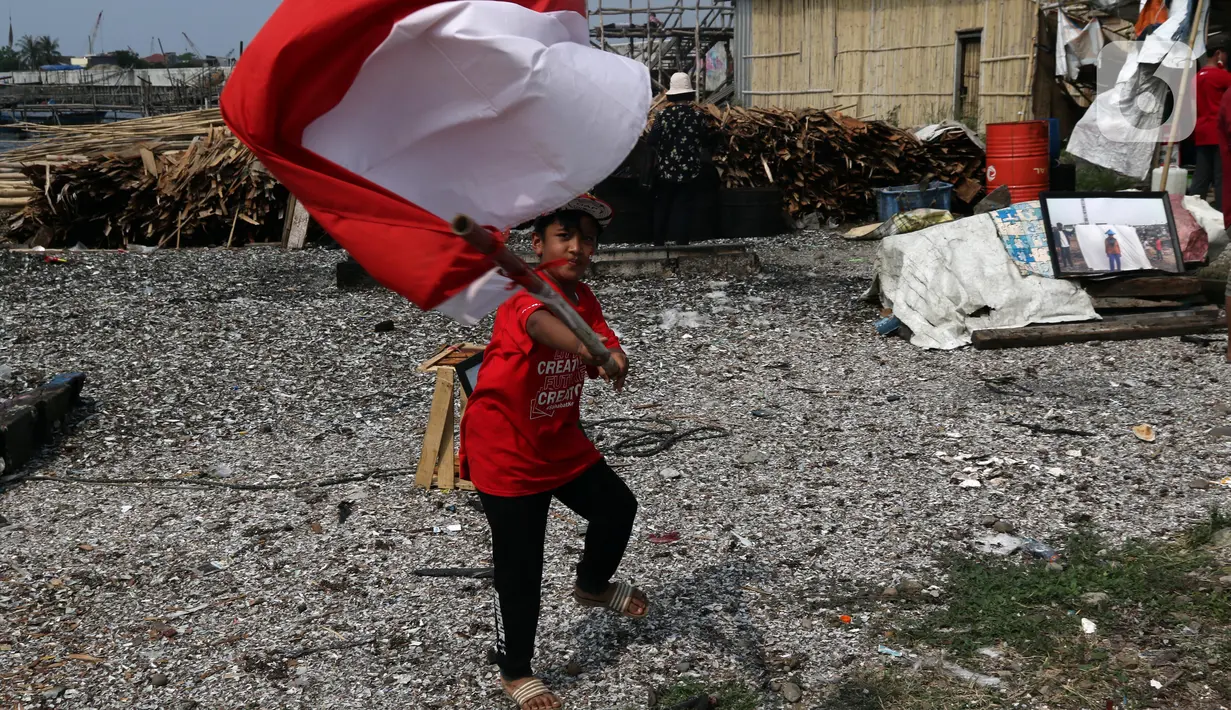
[(591, 205)]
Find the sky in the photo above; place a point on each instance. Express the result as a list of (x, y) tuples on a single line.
[(1107, 211), (215, 26)]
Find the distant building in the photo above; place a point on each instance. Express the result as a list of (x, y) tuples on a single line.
[(95, 60)]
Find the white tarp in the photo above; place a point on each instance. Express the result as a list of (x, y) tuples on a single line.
[(927, 134), (1210, 219), (1076, 46), (947, 281), (1091, 239), (1120, 130)]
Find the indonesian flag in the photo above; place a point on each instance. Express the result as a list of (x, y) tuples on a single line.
[(388, 118)]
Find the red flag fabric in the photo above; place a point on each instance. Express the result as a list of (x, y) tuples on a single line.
[(387, 118)]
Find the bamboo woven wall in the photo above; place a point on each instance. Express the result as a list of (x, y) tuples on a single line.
[(890, 58)]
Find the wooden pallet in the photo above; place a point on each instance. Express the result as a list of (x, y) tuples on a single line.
[(439, 466)]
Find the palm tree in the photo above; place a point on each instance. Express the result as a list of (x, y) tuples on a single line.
[(37, 51), (9, 61), (50, 48), (28, 52)]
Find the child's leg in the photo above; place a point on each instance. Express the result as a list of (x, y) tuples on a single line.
[(519, 526), (599, 496)]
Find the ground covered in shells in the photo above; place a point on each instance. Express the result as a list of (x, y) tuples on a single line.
[(851, 465)]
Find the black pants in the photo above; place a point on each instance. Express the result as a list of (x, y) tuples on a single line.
[(676, 209), (519, 527), (1208, 172)]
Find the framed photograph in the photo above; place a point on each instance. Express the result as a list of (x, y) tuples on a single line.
[(468, 372), (1101, 234)]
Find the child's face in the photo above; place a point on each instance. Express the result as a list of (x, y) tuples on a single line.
[(571, 247)]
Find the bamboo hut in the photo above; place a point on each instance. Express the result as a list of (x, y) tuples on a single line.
[(908, 61)]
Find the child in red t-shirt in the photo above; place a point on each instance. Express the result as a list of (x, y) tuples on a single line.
[(523, 445)]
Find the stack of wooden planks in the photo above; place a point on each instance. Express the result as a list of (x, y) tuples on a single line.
[(829, 163), (1134, 308), (182, 179)]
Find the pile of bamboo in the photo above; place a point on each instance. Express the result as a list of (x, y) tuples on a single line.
[(182, 179), (831, 164)]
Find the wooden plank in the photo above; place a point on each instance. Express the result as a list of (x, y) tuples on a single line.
[(442, 402), (1144, 287), (297, 235), (1101, 304), (445, 472), (291, 202), (1135, 328), (149, 161), (451, 355)]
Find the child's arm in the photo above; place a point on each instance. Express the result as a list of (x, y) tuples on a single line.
[(549, 331)]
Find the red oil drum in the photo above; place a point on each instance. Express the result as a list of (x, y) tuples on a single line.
[(1019, 156)]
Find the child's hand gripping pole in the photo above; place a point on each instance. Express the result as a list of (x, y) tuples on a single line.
[(524, 276)]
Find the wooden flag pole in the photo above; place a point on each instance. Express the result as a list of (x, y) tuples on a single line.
[(524, 276), (1179, 102)]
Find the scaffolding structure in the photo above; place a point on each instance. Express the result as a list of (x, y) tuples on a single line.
[(660, 37)]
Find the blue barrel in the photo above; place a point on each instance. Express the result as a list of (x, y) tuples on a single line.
[(1053, 130)]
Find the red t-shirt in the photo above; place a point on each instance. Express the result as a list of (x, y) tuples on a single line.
[(521, 434), (1224, 147), (1212, 82)]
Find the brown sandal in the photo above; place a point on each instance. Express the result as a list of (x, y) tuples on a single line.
[(621, 596), (531, 689)]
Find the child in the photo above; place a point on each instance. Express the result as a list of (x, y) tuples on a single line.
[(523, 445)]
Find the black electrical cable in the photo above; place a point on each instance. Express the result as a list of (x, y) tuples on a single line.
[(646, 437)]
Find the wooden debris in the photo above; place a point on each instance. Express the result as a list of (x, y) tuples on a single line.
[(146, 181), (1133, 327), (829, 163), (1143, 287)]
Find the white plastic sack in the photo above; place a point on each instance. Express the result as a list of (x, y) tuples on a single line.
[(1210, 219), (1076, 46), (945, 282)]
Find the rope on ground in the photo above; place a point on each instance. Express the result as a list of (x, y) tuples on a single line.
[(646, 437), (371, 475)]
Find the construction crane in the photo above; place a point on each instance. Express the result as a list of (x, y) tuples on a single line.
[(193, 46), (98, 25)]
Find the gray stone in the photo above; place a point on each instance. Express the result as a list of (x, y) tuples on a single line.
[(910, 587), (1225, 581), (573, 668), (1055, 567), (159, 680), (53, 693), (753, 457), (1222, 538), (4, 522), (987, 521), (1199, 484), (7, 374), (792, 693), (890, 593), (1003, 526), (671, 473), (1220, 432), (683, 666), (1096, 599)]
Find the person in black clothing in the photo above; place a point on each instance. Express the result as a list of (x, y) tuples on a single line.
[(685, 182)]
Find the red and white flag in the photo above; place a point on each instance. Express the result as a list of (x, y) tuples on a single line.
[(387, 118)]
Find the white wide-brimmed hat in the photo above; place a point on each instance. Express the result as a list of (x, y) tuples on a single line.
[(680, 84)]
